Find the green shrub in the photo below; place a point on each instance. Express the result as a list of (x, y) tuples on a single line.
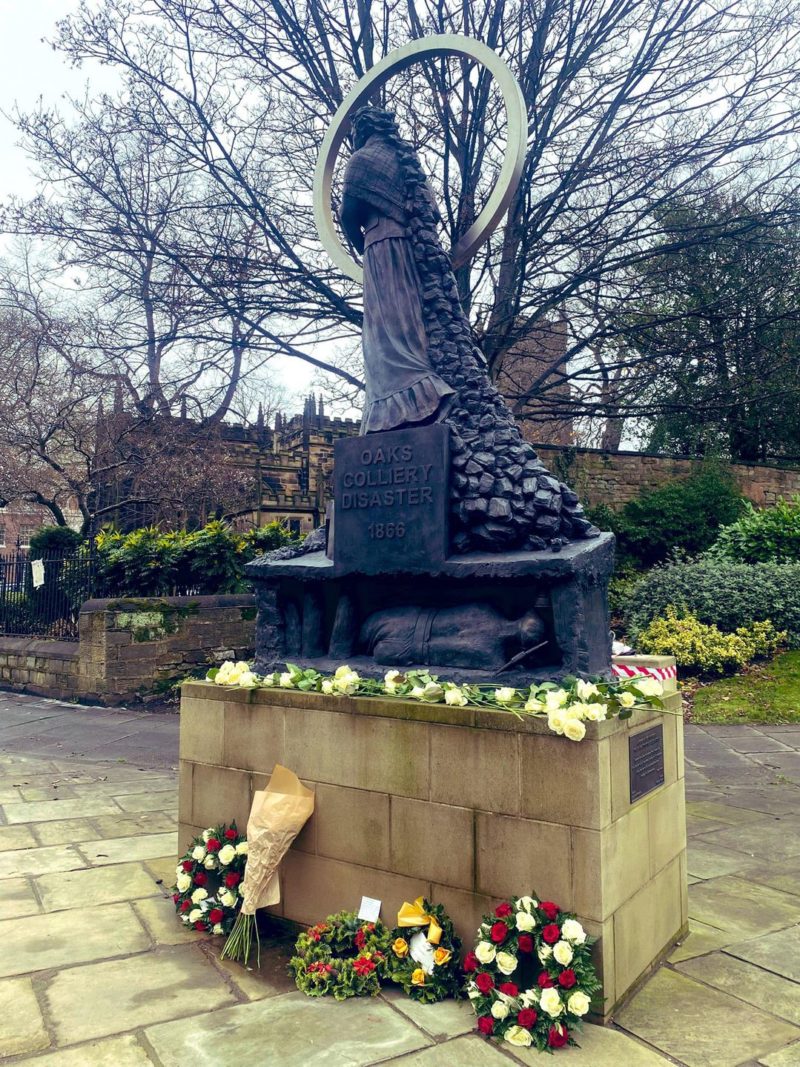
[(704, 649), (50, 541), (768, 535), (685, 514), (726, 595), (262, 539)]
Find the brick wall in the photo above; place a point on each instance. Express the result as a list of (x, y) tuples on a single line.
[(614, 478), (131, 648)]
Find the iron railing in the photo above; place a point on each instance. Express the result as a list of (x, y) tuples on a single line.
[(42, 598)]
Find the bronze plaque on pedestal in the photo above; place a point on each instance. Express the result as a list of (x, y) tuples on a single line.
[(646, 756)]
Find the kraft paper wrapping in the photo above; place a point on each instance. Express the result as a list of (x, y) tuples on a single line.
[(277, 816)]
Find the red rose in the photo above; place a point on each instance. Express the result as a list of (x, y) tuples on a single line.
[(361, 939), (484, 982), (502, 910), (527, 1018), (545, 981), (549, 908), (470, 962), (525, 942), (509, 989), (567, 979), (499, 932), (551, 933), (363, 966), (486, 1024), (216, 915), (231, 835), (200, 878), (175, 898), (200, 925), (187, 865), (213, 845), (558, 1036), (232, 878), (314, 934), (186, 905)]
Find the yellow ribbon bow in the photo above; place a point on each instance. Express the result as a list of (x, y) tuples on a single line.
[(415, 915)]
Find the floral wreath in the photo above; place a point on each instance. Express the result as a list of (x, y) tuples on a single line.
[(425, 965), (343, 956), (531, 977), (207, 879)]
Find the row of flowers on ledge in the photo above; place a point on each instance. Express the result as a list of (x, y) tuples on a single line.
[(567, 706)]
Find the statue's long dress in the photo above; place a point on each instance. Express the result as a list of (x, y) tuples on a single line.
[(401, 387)]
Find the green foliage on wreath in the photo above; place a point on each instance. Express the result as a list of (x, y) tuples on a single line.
[(342, 956), (446, 978)]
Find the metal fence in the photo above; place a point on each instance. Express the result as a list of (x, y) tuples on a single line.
[(42, 598)]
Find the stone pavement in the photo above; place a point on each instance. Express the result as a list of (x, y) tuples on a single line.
[(95, 969)]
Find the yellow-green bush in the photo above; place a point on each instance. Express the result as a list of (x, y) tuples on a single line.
[(705, 649)]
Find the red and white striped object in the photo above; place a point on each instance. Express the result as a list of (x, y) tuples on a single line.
[(623, 670)]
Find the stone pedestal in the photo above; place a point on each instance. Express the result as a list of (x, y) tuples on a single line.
[(462, 805)]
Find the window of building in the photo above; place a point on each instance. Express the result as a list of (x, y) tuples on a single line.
[(25, 535), (294, 527), (2, 535)]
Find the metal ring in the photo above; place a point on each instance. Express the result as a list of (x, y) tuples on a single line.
[(443, 44)]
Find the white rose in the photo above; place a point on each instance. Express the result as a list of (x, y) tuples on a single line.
[(529, 998), (241, 848), (198, 853), (533, 705), (596, 712), (327, 686), (578, 1003), (574, 729), (227, 898), (550, 1002), (248, 680), (519, 1036), (198, 895), (562, 953), (208, 833), (345, 681), (571, 930), (556, 721), (185, 919), (649, 687), (210, 862), (432, 691), (504, 695), (417, 692), (525, 921), (179, 869), (555, 698), (390, 680), (528, 903), (455, 697), (544, 953), (183, 881), (626, 699), (226, 854), (586, 690), (195, 915), (225, 673), (485, 952), (499, 1009), (285, 681), (217, 928), (576, 710), (506, 963)]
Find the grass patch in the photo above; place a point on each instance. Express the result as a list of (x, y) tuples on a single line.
[(767, 692)]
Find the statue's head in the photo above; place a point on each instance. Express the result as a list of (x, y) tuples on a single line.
[(370, 120)]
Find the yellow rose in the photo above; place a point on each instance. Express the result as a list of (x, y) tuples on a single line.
[(400, 947), (442, 956), (418, 977)]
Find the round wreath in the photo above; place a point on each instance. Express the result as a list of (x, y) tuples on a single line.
[(531, 977), (343, 956), (425, 962), (206, 890)]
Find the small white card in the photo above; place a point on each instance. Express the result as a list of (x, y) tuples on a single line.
[(370, 910), (421, 951)]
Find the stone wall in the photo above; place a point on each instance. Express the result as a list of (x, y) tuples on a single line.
[(132, 648), (614, 478), (464, 806)]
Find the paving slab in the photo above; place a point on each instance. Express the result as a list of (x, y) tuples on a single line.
[(268, 978), (120, 849), (775, 839), (463, 1052), (64, 831), (705, 859), (22, 1028), (289, 1030), (700, 1026), (733, 903), (16, 837), (600, 1046), (786, 1057), (450, 1018), (749, 983), (97, 885), (17, 898), (700, 940), (133, 825), (40, 860), (122, 1051), (46, 810), (157, 914), (731, 816), (158, 801), (778, 952), (128, 993), (64, 938), (784, 876)]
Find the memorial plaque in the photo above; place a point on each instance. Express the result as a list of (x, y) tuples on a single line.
[(391, 499), (646, 756)]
